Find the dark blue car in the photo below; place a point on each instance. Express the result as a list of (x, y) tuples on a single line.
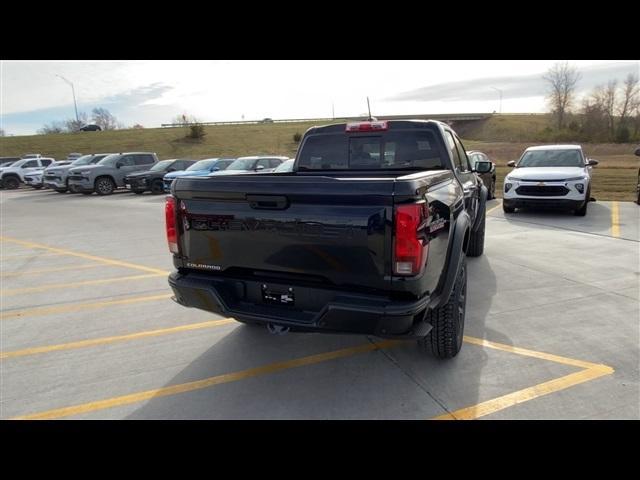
[(199, 169)]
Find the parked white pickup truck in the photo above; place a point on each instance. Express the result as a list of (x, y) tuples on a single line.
[(12, 176)]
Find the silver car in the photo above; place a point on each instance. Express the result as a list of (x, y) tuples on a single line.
[(256, 163), (56, 176)]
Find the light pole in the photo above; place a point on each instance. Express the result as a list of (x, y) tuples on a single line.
[(74, 96), (499, 91)]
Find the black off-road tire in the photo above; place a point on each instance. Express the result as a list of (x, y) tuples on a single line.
[(476, 239), (157, 187), (445, 338), (104, 186), (11, 183)]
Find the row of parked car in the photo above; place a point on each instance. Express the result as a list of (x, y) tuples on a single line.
[(139, 172)]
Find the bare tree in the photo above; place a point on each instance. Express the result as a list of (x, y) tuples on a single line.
[(104, 118), (53, 127), (184, 119), (73, 125), (562, 80), (630, 98), (609, 105), (594, 118)]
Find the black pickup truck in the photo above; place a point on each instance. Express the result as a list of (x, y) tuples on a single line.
[(368, 234)]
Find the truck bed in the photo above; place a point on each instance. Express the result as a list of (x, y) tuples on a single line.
[(334, 231)]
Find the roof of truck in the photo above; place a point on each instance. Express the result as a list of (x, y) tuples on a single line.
[(409, 122)]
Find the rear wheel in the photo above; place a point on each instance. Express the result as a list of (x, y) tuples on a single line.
[(11, 183), (104, 186), (445, 338), (476, 240), (157, 187)]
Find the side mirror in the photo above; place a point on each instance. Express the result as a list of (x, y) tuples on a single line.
[(483, 167), (512, 163), (260, 167), (638, 151), (592, 163)]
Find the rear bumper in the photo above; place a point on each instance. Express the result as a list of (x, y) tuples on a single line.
[(560, 203), (314, 309)]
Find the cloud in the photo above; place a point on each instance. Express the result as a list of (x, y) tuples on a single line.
[(143, 95), (523, 86)]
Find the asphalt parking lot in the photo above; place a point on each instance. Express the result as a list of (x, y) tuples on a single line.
[(88, 329)]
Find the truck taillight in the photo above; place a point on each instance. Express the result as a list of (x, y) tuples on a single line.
[(172, 228), (410, 245), (367, 126)]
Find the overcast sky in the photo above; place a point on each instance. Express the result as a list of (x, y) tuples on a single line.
[(153, 92)]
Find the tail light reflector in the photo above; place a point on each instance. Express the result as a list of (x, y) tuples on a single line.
[(172, 230), (410, 245)]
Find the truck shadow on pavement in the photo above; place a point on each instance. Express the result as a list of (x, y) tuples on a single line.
[(397, 382)]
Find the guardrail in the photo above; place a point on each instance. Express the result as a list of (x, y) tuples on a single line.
[(441, 116)]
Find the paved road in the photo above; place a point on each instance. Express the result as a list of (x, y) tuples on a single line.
[(88, 329)]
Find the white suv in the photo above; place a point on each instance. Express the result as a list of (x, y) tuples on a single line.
[(549, 175), (12, 176)]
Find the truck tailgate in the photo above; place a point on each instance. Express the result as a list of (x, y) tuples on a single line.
[(333, 231)]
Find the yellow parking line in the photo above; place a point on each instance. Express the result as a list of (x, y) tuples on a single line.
[(526, 394), (78, 307), (118, 338), (615, 220), (32, 254), (50, 270), (61, 251), (493, 208), (54, 286), (530, 353), (206, 383)]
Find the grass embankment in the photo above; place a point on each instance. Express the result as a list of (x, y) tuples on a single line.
[(502, 138)]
